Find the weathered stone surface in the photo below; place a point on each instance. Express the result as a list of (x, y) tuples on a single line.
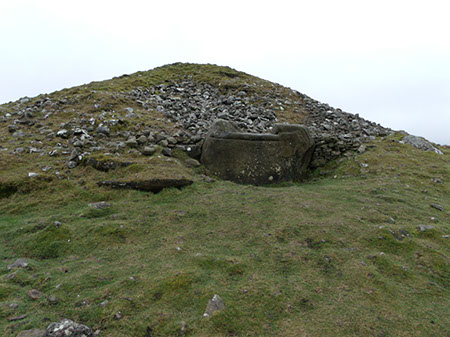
[(148, 150), (67, 328), (99, 205), (214, 304), (142, 140), (183, 328), (53, 299), (19, 263), (31, 333), (131, 142), (16, 318), (103, 129), (105, 165), (150, 185), (19, 134), (166, 152), (438, 207), (191, 162), (424, 228), (420, 143), (258, 159), (34, 294)]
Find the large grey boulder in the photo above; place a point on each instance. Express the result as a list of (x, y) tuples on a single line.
[(67, 328), (255, 158), (420, 143)]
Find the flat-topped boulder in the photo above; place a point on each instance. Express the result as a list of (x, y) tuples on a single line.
[(257, 158)]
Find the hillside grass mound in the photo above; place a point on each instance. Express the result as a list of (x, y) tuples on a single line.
[(356, 250)]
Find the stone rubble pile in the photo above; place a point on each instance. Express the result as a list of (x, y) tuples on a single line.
[(195, 106), (192, 107), (338, 133)]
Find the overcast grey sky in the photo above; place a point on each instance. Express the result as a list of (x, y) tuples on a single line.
[(388, 60)]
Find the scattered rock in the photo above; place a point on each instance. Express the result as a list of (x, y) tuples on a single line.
[(16, 318), (33, 175), (182, 331), (164, 143), (424, 228), (19, 134), (148, 150), (438, 207), (420, 143), (131, 142), (13, 306), (19, 263), (206, 178), (118, 316), (31, 333), (191, 162), (83, 303), (34, 294), (11, 276), (62, 133), (67, 328), (12, 128), (166, 152), (99, 205), (71, 164), (215, 304), (142, 140), (53, 299), (400, 234), (362, 149), (171, 140), (103, 129)]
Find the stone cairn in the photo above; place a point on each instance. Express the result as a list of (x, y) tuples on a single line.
[(192, 107)]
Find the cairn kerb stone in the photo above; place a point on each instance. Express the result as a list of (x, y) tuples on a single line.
[(255, 158)]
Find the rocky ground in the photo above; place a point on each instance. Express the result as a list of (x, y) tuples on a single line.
[(188, 106)]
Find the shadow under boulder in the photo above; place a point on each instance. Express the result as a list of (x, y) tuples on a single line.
[(255, 158), (149, 185)]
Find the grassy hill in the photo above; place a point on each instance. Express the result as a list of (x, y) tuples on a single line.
[(356, 250)]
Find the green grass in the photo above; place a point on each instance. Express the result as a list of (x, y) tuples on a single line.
[(325, 257), (318, 258)]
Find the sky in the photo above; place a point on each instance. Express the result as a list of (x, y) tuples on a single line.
[(388, 60)]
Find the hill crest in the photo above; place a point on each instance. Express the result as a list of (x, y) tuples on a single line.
[(178, 102)]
